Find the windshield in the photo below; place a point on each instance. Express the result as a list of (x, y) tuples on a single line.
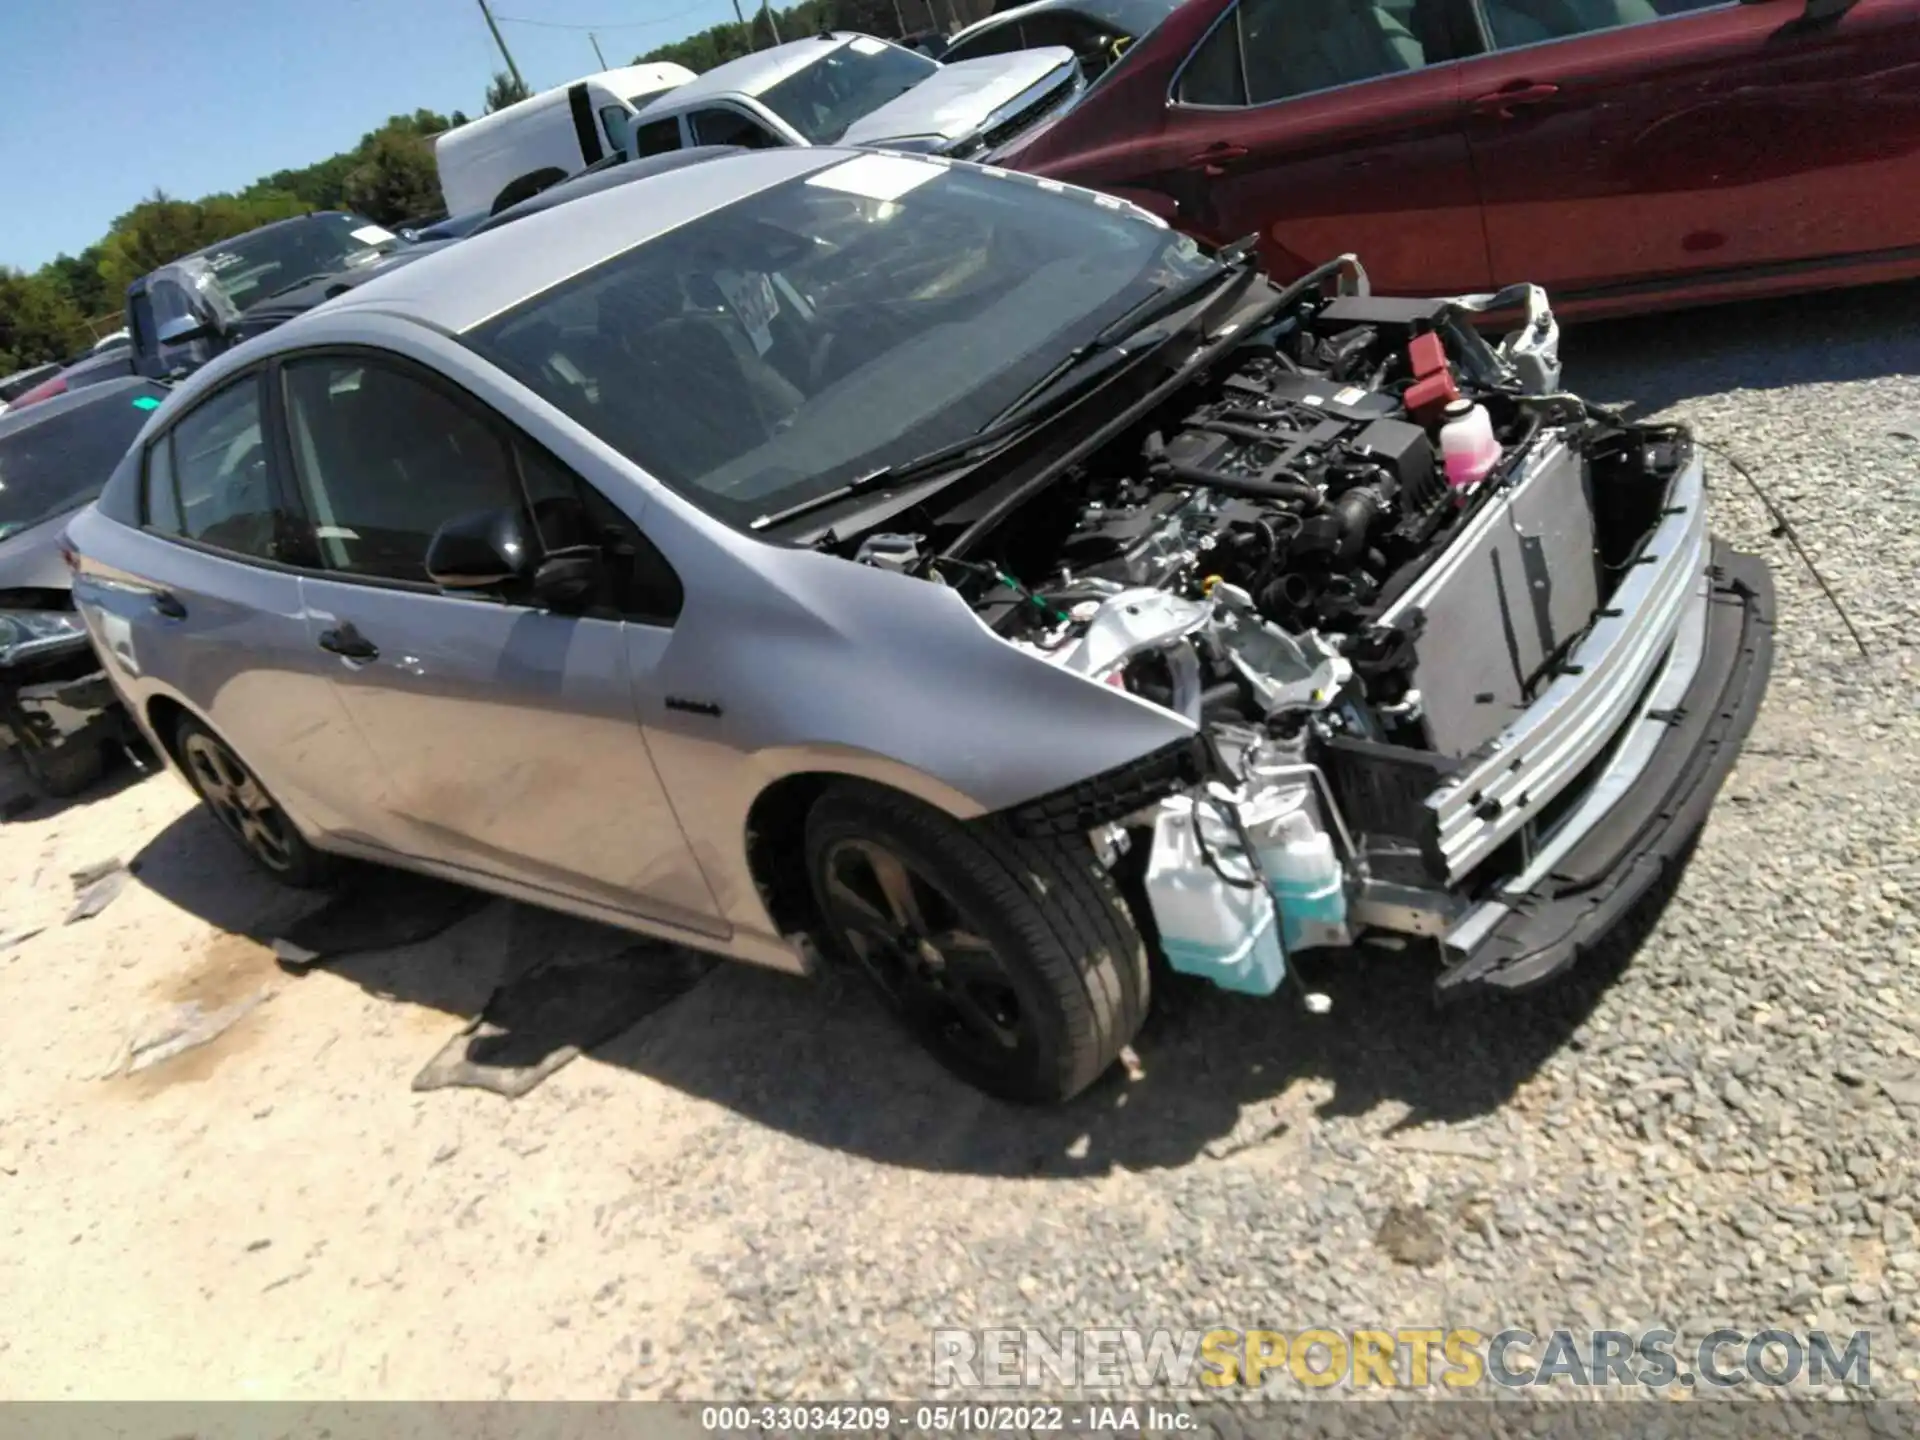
[(845, 84), (253, 266), (778, 348), (58, 462)]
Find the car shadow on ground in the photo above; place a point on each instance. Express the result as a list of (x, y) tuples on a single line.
[(1651, 362), (819, 1060)]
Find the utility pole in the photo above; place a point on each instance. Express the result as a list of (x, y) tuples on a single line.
[(596, 49), (505, 54), (773, 27)]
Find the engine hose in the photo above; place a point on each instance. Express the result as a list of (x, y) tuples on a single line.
[(1312, 279), (1253, 487), (1357, 509), (1293, 590), (1227, 812)]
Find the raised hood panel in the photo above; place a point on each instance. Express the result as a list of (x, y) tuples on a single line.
[(959, 99)]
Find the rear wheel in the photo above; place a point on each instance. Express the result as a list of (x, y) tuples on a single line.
[(251, 816), (1013, 961)]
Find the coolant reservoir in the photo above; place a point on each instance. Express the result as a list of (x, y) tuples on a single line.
[(1467, 445), (1303, 872), (1216, 919)]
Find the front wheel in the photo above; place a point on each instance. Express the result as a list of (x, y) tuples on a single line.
[(63, 771), (1013, 961), (245, 810)]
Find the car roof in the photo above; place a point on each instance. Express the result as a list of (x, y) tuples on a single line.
[(457, 287), (621, 80), (592, 181), (751, 74)]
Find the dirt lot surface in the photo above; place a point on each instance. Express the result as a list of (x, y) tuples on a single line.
[(760, 1190)]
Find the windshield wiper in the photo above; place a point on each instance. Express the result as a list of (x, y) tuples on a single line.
[(972, 447), (318, 275), (1093, 359)]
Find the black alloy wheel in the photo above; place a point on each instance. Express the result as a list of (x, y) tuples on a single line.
[(928, 959), (245, 809)]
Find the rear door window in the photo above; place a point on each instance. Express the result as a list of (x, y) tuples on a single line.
[(208, 477), (1513, 23)]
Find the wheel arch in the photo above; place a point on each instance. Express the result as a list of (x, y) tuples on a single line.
[(162, 714), (776, 821)]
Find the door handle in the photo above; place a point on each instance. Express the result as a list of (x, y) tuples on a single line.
[(168, 604), (1215, 158), (1504, 101), (348, 643)]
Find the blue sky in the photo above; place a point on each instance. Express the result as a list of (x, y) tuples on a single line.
[(107, 99)]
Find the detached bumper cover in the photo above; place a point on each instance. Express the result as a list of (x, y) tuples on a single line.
[(1646, 802)]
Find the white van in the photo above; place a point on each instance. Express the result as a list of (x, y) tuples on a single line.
[(490, 163)]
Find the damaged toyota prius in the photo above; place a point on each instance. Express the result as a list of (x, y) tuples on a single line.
[(946, 572)]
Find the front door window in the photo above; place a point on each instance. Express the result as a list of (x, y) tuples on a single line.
[(383, 461)]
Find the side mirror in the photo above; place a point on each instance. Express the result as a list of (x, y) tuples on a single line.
[(477, 552), (185, 329)]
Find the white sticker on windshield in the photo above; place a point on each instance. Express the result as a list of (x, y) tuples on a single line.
[(878, 177), (371, 235), (866, 45), (754, 304)]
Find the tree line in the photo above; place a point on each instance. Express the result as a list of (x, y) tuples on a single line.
[(57, 311), (44, 315)]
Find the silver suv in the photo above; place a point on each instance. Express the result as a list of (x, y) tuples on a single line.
[(959, 569)]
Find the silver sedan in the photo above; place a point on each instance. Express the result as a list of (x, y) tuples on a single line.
[(954, 572)]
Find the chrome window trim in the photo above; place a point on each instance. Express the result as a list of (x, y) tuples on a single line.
[(1174, 102)]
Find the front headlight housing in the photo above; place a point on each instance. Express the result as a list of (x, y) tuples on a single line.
[(26, 633)]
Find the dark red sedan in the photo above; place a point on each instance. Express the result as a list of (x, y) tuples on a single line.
[(1627, 154)]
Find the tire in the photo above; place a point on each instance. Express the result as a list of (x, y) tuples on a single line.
[(65, 770), (251, 817), (1013, 961)]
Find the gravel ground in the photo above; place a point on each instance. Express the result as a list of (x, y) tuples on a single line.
[(763, 1193)]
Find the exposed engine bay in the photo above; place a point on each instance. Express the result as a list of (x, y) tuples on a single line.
[(1351, 558)]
